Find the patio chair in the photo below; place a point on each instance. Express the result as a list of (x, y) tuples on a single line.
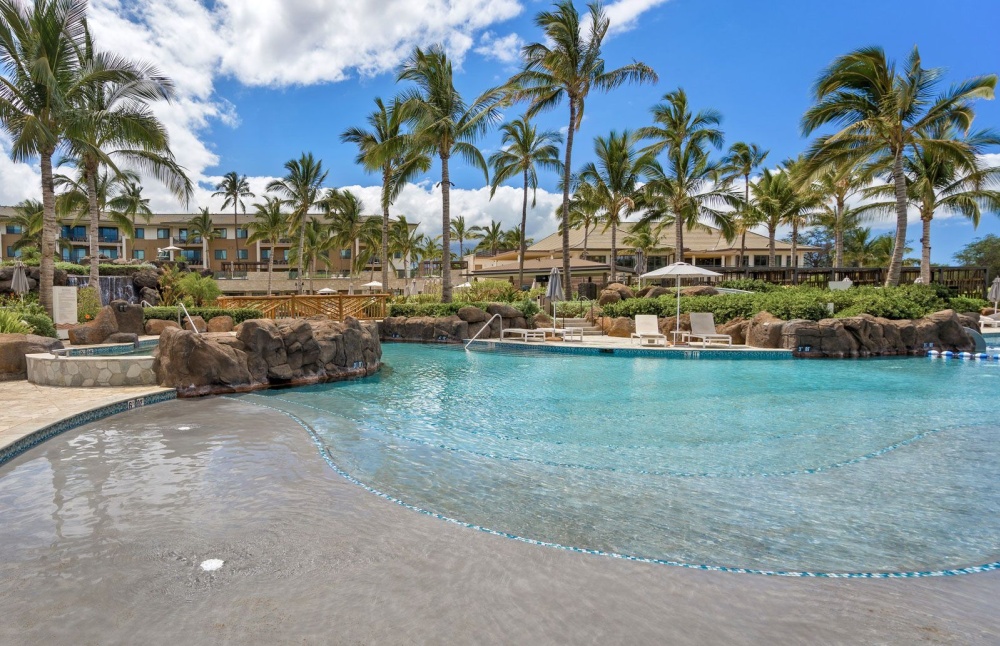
[(647, 330), (522, 333), (990, 320), (703, 327)]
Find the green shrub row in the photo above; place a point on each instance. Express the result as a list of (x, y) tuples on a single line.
[(527, 308), (17, 312), (239, 314), (906, 302), (105, 270), (750, 285)]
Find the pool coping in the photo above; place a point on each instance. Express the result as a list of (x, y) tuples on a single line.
[(19, 442), (684, 352)]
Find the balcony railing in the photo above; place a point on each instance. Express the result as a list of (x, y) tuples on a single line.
[(335, 306)]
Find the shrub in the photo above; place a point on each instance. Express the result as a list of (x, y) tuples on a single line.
[(11, 322), (750, 285), (527, 308), (41, 324), (489, 291), (169, 313), (965, 304), (88, 304), (202, 290)]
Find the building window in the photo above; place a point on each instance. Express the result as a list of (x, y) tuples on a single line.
[(140, 234), (14, 253), (241, 233), (220, 254), (162, 234), (242, 254), (74, 234), (284, 255), (182, 235), (397, 255), (139, 254), (220, 233), (708, 262), (110, 252), (13, 228), (265, 254), (760, 261), (107, 234), (191, 255), (345, 254)]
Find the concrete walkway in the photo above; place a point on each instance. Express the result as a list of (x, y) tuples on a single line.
[(28, 408)]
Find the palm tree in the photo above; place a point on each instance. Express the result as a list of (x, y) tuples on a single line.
[(130, 204), (492, 237), (269, 225), (345, 213), (690, 186), (233, 188), (862, 250), (405, 242), (28, 217), (44, 79), (838, 183), (882, 112), (201, 226), (643, 241), (430, 250), (569, 65), (775, 203), (524, 149), (583, 212), (105, 192), (741, 161), (300, 190), (387, 149), (461, 232), (443, 124), (369, 238), (616, 182), (317, 243)]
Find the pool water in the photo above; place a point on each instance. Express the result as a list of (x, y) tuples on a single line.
[(873, 466)]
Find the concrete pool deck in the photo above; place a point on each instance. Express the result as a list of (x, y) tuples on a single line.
[(105, 527), (619, 345)]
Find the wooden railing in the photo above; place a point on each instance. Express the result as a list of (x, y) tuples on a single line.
[(335, 306)]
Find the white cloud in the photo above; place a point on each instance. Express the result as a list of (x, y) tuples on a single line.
[(624, 14), (17, 181), (506, 49)]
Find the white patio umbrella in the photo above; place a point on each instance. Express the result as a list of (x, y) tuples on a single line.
[(19, 281), (373, 285), (554, 290), (679, 269), (327, 290), (994, 293), (350, 289)]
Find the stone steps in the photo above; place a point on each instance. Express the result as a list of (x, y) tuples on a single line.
[(588, 328)]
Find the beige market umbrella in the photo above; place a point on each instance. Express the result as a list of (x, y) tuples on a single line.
[(679, 269)]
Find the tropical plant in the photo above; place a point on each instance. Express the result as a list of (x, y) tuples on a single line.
[(863, 250), (882, 112), (369, 237), (269, 225), (387, 149), (461, 232), (836, 184), (778, 199), (491, 237), (616, 181), (405, 242), (88, 304), (641, 240), (233, 188), (568, 65), (741, 161), (583, 212), (130, 204), (430, 250), (345, 214), (300, 191), (201, 290), (11, 322), (201, 226), (316, 248), (689, 187), (444, 125), (982, 252), (524, 151)]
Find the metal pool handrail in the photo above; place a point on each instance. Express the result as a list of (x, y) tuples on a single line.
[(190, 320), (497, 315)]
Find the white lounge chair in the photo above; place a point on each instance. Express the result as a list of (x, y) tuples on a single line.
[(703, 327), (524, 334), (841, 285), (647, 330), (991, 320)]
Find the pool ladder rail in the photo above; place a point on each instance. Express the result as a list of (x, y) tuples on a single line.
[(495, 316)]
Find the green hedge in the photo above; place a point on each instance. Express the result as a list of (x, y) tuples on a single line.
[(527, 308), (907, 302), (105, 270), (750, 285), (170, 313)]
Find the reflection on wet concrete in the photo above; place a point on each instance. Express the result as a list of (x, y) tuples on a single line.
[(103, 530)]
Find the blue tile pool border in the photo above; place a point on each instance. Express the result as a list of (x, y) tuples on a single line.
[(513, 347), (325, 454), (113, 350), (49, 431)]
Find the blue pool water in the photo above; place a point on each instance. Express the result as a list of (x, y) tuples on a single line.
[(888, 465)]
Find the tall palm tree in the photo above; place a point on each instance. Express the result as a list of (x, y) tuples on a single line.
[(130, 204), (269, 225), (568, 65), (369, 238), (461, 232), (881, 112), (201, 226), (492, 237), (405, 242), (444, 125), (837, 184), (233, 189), (688, 186), (78, 196), (317, 243), (583, 212), (862, 250), (524, 149), (28, 217), (616, 181), (430, 250), (300, 190), (774, 201), (643, 241), (44, 79), (345, 214), (741, 161), (386, 148)]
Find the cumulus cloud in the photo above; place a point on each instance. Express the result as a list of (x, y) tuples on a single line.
[(624, 14), (506, 49)]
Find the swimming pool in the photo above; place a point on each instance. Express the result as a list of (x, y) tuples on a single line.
[(874, 466)]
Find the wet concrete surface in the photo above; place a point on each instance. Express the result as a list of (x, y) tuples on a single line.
[(102, 531)]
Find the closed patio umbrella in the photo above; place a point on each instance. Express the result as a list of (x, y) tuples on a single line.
[(679, 269), (554, 290), (994, 293), (19, 281)]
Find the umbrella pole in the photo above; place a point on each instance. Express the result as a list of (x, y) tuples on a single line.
[(677, 326)]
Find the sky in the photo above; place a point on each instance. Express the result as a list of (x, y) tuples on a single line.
[(261, 81)]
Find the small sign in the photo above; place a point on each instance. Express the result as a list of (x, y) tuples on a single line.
[(64, 305)]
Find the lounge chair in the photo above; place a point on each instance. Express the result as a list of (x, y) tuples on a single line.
[(703, 327), (991, 320), (647, 330), (840, 285), (524, 334)]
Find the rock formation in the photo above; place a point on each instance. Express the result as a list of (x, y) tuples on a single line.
[(13, 347)]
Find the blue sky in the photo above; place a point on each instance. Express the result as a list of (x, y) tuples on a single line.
[(262, 81)]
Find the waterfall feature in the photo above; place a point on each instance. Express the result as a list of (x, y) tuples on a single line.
[(117, 288)]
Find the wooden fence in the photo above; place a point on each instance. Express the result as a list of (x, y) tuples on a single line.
[(334, 306)]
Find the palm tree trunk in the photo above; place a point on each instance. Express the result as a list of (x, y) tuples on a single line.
[(47, 268), (236, 231), (678, 237), (445, 230), (746, 218), (204, 253), (302, 248), (95, 214), (386, 178), (743, 250), (896, 262), (524, 224), (567, 285), (270, 266), (614, 252), (838, 235), (925, 248), (795, 242), (770, 246), (586, 235)]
